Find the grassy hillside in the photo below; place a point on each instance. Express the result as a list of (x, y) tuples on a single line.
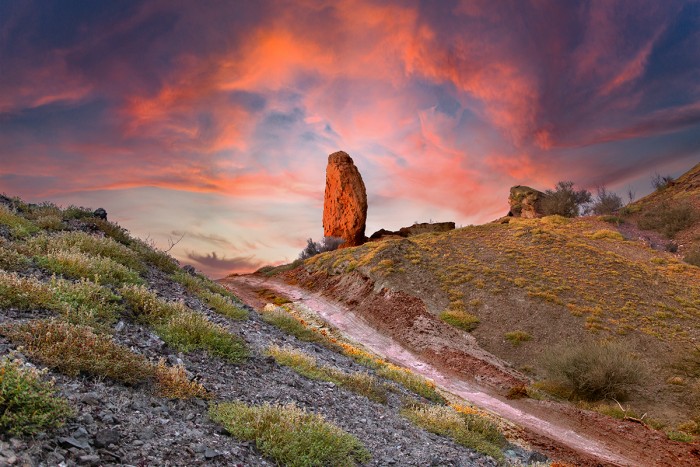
[(530, 285), (110, 353)]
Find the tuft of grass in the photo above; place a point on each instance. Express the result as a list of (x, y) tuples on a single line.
[(679, 436), (28, 404), (87, 303), (289, 435), (291, 325), (222, 305), (517, 337), (607, 233), (25, 293), (192, 331), (594, 370), (172, 382), (77, 212), (158, 259), (460, 319), (306, 365), (470, 430), (18, 226), (411, 381), (75, 265), (74, 349)]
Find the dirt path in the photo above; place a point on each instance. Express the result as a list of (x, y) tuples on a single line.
[(561, 431)]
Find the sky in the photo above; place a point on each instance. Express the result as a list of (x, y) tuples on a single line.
[(214, 119)]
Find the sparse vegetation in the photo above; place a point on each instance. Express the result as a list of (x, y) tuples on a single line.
[(668, 219), (594, 370), (25, 293), (85, 302), (75, 265), (410, 381), (471, 430), (172, 382), (222, 305), (74, 349), (460, 319), (18, 226), (28, 404), (314, 248), (564, 200), (289, 435), (290, 325), (517, 337), (306, 365)]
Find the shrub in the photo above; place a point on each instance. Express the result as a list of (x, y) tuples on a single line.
[(18, 226), (470, 430), (74, 349), (75, 212), (11, 260), (606, 202), (146, 305), (306, 365), (28, 405), (314, 248), (190, 331), (460, 319), (87, 303), (25, 293), (49, 222), (172, 382), (594, 370), (75, 265), (564, 200), (660, 182), (693, 257), (290, 435), (191, 283), (517, 337), (668, 220)]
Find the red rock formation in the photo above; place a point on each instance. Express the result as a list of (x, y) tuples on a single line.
[(345, 203)]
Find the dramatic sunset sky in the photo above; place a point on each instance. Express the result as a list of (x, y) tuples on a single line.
[(215, 118)]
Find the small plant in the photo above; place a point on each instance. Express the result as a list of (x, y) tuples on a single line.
[(25, 293), (679, 436), (606, 233), (470, 430), (306, 365), (460, 319), (172, 382), (28, 404), (564, 200), (222, 305), (410, 381), (660, 182), (74, 264), (74, 349), (289, 435), (18, 226), (87, 303), (290, 325), (517, 337), (190, 331), (606, 202), (594, 370)]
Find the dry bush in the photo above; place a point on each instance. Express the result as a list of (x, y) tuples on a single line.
[(172, 382)]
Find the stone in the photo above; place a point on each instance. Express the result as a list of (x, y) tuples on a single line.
[(72, 442), (345, 202), (189, 269), (101, 213), (104, 438), (525, 202)]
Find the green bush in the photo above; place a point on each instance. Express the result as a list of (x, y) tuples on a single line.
[(470, 430), (667, 219), (25, 293), (75, 265), (87, 303), (28, 405), (74, 349), (289, 435), (594, 370)]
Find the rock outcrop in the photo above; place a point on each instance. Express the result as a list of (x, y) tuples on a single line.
[(415, 229), (345, 202), (525, 202)]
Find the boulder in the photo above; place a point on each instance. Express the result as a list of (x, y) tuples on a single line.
[(100, 213), (525, 202), (345, 202)]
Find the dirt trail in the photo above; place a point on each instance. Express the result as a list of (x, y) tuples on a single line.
[(561, 431)]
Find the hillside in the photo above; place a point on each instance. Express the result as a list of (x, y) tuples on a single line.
[(112, 354), (492, 303)]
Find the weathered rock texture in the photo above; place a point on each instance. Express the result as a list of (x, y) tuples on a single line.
[(345, 203), (525, 202), (415, 229)]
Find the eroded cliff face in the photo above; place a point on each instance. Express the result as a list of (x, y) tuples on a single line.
[(345, 202)]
